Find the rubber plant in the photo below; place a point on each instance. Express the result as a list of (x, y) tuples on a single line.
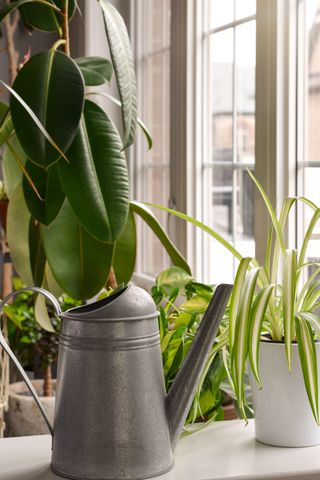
[(70, 222), (273, 300)]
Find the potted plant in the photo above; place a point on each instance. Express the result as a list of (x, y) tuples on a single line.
[(274, 328), (181, 302), (70, 221), (37, 350)]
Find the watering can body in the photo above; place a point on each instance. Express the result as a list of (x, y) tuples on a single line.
[(110, 419), (113, 419)]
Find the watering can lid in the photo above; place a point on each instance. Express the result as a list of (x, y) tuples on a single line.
[(129, 303)]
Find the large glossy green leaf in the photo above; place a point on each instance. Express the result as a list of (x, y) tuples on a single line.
[(37, 255), (44, 18), (51, 85), (18, 236), (141, 124), (13, 158), (145, 213), (95, 70), (96, 179), (122, 60), (79, 262), (8, 8), (4, 107), (6, 128), (46, 208), (124, 259)]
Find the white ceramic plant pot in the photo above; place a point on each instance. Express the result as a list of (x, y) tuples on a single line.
[(23, 416), (283, 416)]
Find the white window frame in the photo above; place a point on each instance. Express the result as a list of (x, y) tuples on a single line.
[(275, 141)]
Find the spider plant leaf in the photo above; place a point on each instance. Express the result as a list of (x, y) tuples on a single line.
[(312, 318), (47, 182), (236, 297), (40, 91), (100, 196), (8, 8), (122, 59), (311, 297), (37, 255), (306, 286), (312, 224), (141, 124), (289, 299), (271, 211), (308, 360), (148, 217), (37, 15), (71, 252), (240, 347), (124, 258), (258, 310), (95, 70), (203, 227)]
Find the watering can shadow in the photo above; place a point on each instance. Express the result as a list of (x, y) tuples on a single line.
[(113, 419)]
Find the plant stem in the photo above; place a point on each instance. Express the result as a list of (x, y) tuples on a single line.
[(65, 27), (47, 382)]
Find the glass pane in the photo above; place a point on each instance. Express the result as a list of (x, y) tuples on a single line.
[(218, 208), (156, 24), (221, 12), (151, 167), (153, 256), (221, 75), (245, 91), (308, 119), (244, 192), (245, 8)]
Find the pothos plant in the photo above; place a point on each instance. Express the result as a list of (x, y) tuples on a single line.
[(273, 301), (181, 302), (70, 222)]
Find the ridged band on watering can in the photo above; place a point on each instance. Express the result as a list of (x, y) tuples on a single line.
[(113, 419)]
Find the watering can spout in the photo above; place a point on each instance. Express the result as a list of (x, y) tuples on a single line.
[(182, 391)]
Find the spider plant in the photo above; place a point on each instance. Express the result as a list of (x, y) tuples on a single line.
[(273, 301)]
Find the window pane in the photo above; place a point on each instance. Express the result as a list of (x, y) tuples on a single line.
[(245, 8), (308, 119), (221, 75), (221, 12), (228, 192), (151, 167), (245, 91)]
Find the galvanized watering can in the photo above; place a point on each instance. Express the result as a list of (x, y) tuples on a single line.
[(113, 419)]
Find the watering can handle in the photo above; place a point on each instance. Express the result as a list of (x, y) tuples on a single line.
[(8, 350)]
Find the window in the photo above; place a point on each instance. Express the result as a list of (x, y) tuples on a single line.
[(152, 168), (249, 72), (229, 112), (308, 91)]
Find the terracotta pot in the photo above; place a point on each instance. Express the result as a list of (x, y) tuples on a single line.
[(283, 415), (23, 416)]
